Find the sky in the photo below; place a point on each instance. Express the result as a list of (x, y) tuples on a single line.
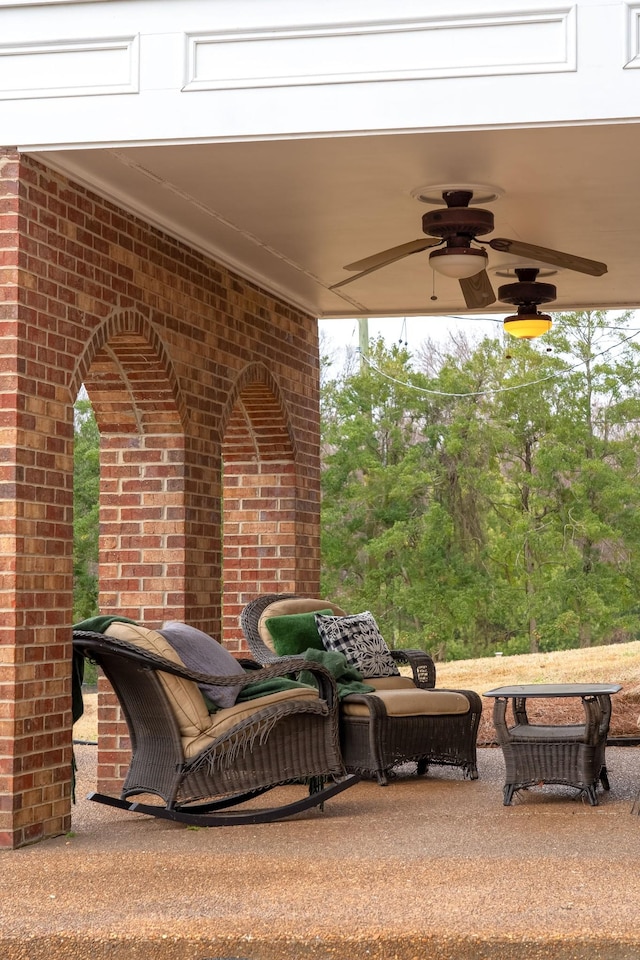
[(342, 334)]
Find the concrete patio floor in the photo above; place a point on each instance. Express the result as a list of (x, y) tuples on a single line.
[(424, 869)]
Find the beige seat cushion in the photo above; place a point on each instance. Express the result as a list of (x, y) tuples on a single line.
[(411, 703), (282, 608), (224, 720)]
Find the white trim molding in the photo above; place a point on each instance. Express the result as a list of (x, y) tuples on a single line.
[(64, 68), (632, 36), (432, 47), (42, 3)]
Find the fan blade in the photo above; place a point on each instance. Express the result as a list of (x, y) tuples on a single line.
[(383, 259), (477, 290), (555, 258), (394, 253), (356, 276)]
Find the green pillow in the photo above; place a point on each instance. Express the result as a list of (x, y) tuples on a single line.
[(294, 633)]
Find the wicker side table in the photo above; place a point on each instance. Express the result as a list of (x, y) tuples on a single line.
[(572, 754)]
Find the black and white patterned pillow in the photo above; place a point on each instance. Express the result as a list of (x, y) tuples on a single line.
[(359, 639)]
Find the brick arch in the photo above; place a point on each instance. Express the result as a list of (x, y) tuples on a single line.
[(137, 404), (259, 497), (255, 424), (130, 378)]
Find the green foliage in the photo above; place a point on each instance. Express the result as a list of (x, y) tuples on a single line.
[(488, 502), (86, 486)]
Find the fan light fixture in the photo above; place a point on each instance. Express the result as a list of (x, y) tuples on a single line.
[(527, 323), (527, 294), (458, 262)]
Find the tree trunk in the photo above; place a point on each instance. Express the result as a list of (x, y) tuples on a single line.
[(534, 645), (584, 634)]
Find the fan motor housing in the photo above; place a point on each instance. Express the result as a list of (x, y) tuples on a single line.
[(450, 221), (527, 291)]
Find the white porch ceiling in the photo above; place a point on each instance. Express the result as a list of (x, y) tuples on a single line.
[(290, 213)]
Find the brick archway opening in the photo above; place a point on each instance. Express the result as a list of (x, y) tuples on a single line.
[(142, 510), (259, 506)]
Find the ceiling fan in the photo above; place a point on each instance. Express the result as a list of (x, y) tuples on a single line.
[(454, 228)]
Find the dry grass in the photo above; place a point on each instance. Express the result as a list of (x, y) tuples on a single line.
[(87, 726), (617, 663)]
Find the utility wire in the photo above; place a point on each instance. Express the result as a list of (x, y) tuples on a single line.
[(497, 390)]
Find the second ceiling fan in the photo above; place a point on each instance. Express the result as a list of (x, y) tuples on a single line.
[(455, 228)]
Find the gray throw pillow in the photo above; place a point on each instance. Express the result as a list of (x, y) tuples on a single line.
[(198, 651), (359, 639)]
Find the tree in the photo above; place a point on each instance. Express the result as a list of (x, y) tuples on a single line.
[(522, 411)]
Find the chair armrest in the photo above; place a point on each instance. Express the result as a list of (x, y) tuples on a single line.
[(422, 666), (92, 644)]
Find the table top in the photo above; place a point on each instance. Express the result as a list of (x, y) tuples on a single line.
[(555, 690)]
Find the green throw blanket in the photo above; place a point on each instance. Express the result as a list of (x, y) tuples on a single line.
[(100, 622), (347, 678)]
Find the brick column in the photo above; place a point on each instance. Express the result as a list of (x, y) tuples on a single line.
[(141, 560), (36, 437), (259, 538)]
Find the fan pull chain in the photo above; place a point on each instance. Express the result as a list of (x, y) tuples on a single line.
[(433, 289)]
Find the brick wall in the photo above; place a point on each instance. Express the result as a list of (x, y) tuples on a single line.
[(205, 388)]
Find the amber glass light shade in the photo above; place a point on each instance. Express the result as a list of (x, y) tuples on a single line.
[(528, 326)]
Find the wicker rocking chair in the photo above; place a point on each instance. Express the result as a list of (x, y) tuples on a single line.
[(202, 765), (406, 719)]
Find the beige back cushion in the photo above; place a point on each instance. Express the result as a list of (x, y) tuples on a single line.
[(281, 608), (184, 696)]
